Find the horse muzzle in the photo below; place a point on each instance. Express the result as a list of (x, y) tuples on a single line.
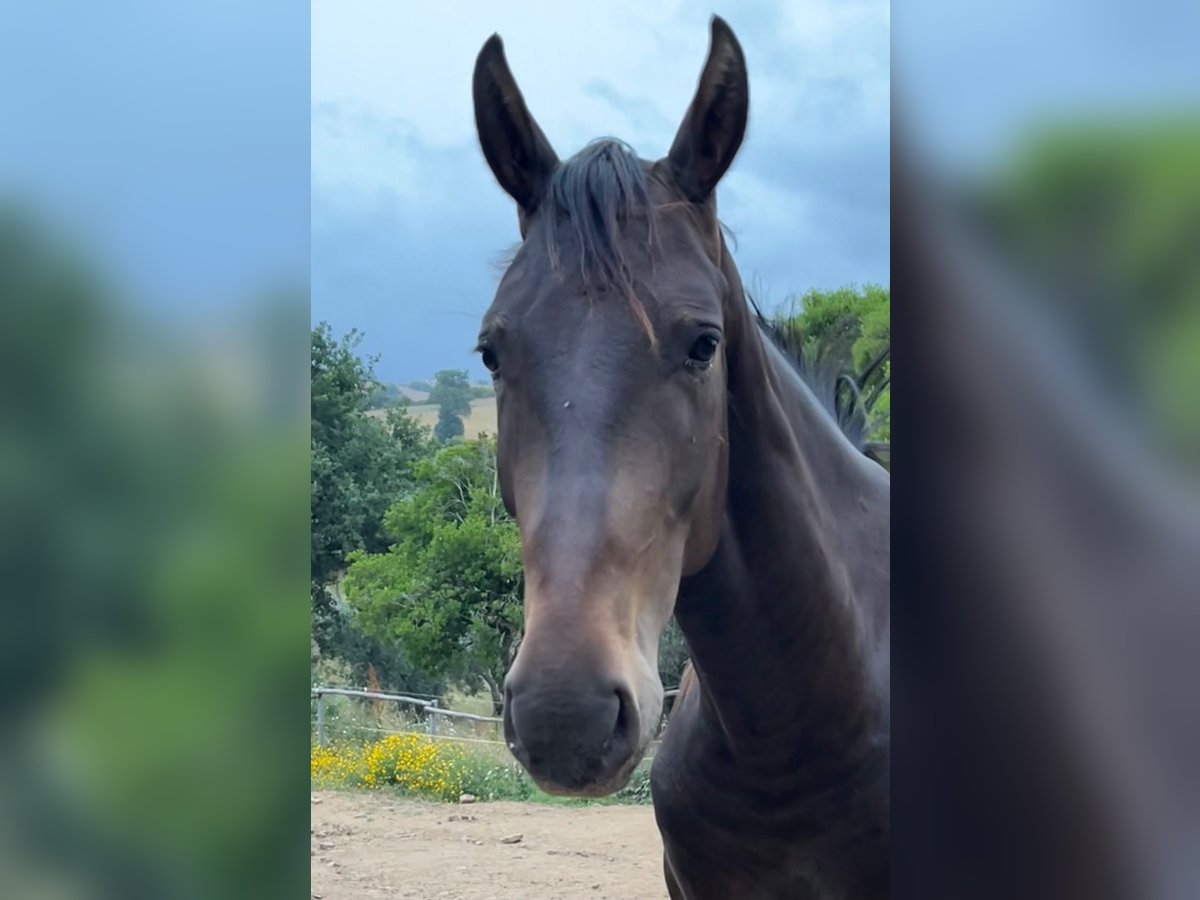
[(575, 738)]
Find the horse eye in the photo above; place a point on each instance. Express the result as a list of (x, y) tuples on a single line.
[(703, 350), (488, 355)]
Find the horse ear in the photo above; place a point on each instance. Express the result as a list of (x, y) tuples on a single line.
[(516, 149), (715, 123)]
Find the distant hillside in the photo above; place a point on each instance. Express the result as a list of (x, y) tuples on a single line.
[(388, 395), (411, 393)]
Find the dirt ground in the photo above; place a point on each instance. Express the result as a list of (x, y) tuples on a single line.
[(372, 845)]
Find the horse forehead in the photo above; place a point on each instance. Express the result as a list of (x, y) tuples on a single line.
[(688, 286), (672, 273), (565, 311)]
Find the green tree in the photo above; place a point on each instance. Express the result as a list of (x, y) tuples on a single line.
[(448, 591), (360, 465), (449, 426), (452, 393), (849, 331)]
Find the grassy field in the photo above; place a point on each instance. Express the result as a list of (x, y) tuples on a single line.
[(482, 419), (479, 703)]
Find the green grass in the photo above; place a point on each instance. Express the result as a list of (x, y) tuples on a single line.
[(479, 703)]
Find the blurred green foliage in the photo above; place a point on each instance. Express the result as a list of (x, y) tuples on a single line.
[(152, 489), (1106, 216)]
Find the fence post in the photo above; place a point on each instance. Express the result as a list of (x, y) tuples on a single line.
[(432, 709), (320, 719)]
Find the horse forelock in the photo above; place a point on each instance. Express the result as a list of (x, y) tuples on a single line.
[(598, 208)]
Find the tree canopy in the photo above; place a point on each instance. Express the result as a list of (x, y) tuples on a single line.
[(360, 465), (449, 589), (452, 393), (849, 331)]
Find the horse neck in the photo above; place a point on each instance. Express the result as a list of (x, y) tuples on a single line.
[(780, 635)]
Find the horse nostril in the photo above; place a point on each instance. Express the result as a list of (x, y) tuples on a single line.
[(510, 731), (625, 726)]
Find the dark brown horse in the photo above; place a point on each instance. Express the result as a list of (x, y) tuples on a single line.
[(662, 457)]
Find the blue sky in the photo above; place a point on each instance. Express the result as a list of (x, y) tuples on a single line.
[(408, 222), (169, 140), (971, 81)]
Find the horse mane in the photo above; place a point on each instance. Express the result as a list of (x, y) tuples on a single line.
[(592, 198), (823, 370)]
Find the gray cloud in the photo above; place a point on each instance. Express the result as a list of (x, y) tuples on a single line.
[(408, 223), (642, 113)]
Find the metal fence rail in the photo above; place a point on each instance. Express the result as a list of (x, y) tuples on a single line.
[(431, 708)]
